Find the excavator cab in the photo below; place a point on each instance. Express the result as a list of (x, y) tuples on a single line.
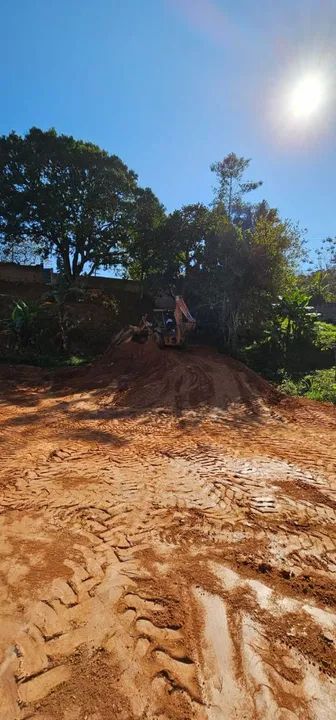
[(164, 327), (172, 323)]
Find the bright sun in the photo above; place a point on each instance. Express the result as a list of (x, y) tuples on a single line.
[(307, 96)]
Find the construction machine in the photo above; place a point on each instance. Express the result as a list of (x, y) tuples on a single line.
[(171, 325), (172, 322)]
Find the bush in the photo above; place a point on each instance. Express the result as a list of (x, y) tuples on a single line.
[(319, 385), (292, 386), (323, 385), (303, 355), (325, 336)]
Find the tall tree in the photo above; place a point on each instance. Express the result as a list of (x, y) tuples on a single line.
[(320, 281), (231, 188), (143, 246), (67, 198), (241, 273), (187, 229)]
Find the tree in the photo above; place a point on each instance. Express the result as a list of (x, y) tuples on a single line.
[(226, 280), (20, 253), (277, 246), (326, 254), (187, 229), (66, 198), (320, 280), (231, 187), (240, 273), (143, 246), (166, 250)]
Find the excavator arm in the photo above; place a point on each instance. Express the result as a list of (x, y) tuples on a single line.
[(182, 311)]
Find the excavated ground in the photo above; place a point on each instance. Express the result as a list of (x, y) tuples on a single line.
[(167, 544)]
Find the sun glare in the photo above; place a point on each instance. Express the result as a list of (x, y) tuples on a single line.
[(307, 96)]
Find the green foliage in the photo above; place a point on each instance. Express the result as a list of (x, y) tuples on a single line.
[(292, 386), (22, 323), (23, 315), (66, 198), (319, 385), (320, 285), (51, 360), (231, 187), (323, 385), (75, 361), (320, 282), (143, 248), (187, 230), (326, 254), (292, 322), (239, 273), (68, 321), (325, 336)]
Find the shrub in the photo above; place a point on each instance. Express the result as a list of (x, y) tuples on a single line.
[(325, 336), (319, 385), (323, 385)]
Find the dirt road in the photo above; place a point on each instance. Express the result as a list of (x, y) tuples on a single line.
[(167, 544)]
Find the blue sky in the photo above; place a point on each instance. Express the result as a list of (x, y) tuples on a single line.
[(173, 85)]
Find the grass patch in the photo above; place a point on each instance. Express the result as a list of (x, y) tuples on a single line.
[(45, 361), (319, 385), (325, 336)]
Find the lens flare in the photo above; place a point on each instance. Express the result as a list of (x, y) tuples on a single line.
[(307, 96)]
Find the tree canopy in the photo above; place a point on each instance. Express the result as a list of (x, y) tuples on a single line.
[(143, 242), (231, 188), (66, 198)]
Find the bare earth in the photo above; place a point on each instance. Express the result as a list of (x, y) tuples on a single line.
[(167, 543)]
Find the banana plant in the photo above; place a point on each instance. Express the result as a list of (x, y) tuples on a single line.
[(293, 320), (22, 322)]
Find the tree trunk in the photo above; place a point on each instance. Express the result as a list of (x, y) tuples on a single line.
[(66, 265), (142, 282), (62, 325), (230, 199)]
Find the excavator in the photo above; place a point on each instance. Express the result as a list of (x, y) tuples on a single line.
[(171, 325)]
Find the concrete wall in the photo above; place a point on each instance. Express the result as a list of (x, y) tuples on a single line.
[(14, 273), (11, 272), (111, 284)]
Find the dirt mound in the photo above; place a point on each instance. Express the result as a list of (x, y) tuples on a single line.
[(143, 376)]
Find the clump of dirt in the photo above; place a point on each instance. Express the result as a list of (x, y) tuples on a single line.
[(304, 585), (301, 490), (93, 686), (301, 633)]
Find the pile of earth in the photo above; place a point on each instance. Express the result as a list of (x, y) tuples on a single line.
[(142, 376)]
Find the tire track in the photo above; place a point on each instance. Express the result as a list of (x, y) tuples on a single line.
[(188, 568)]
